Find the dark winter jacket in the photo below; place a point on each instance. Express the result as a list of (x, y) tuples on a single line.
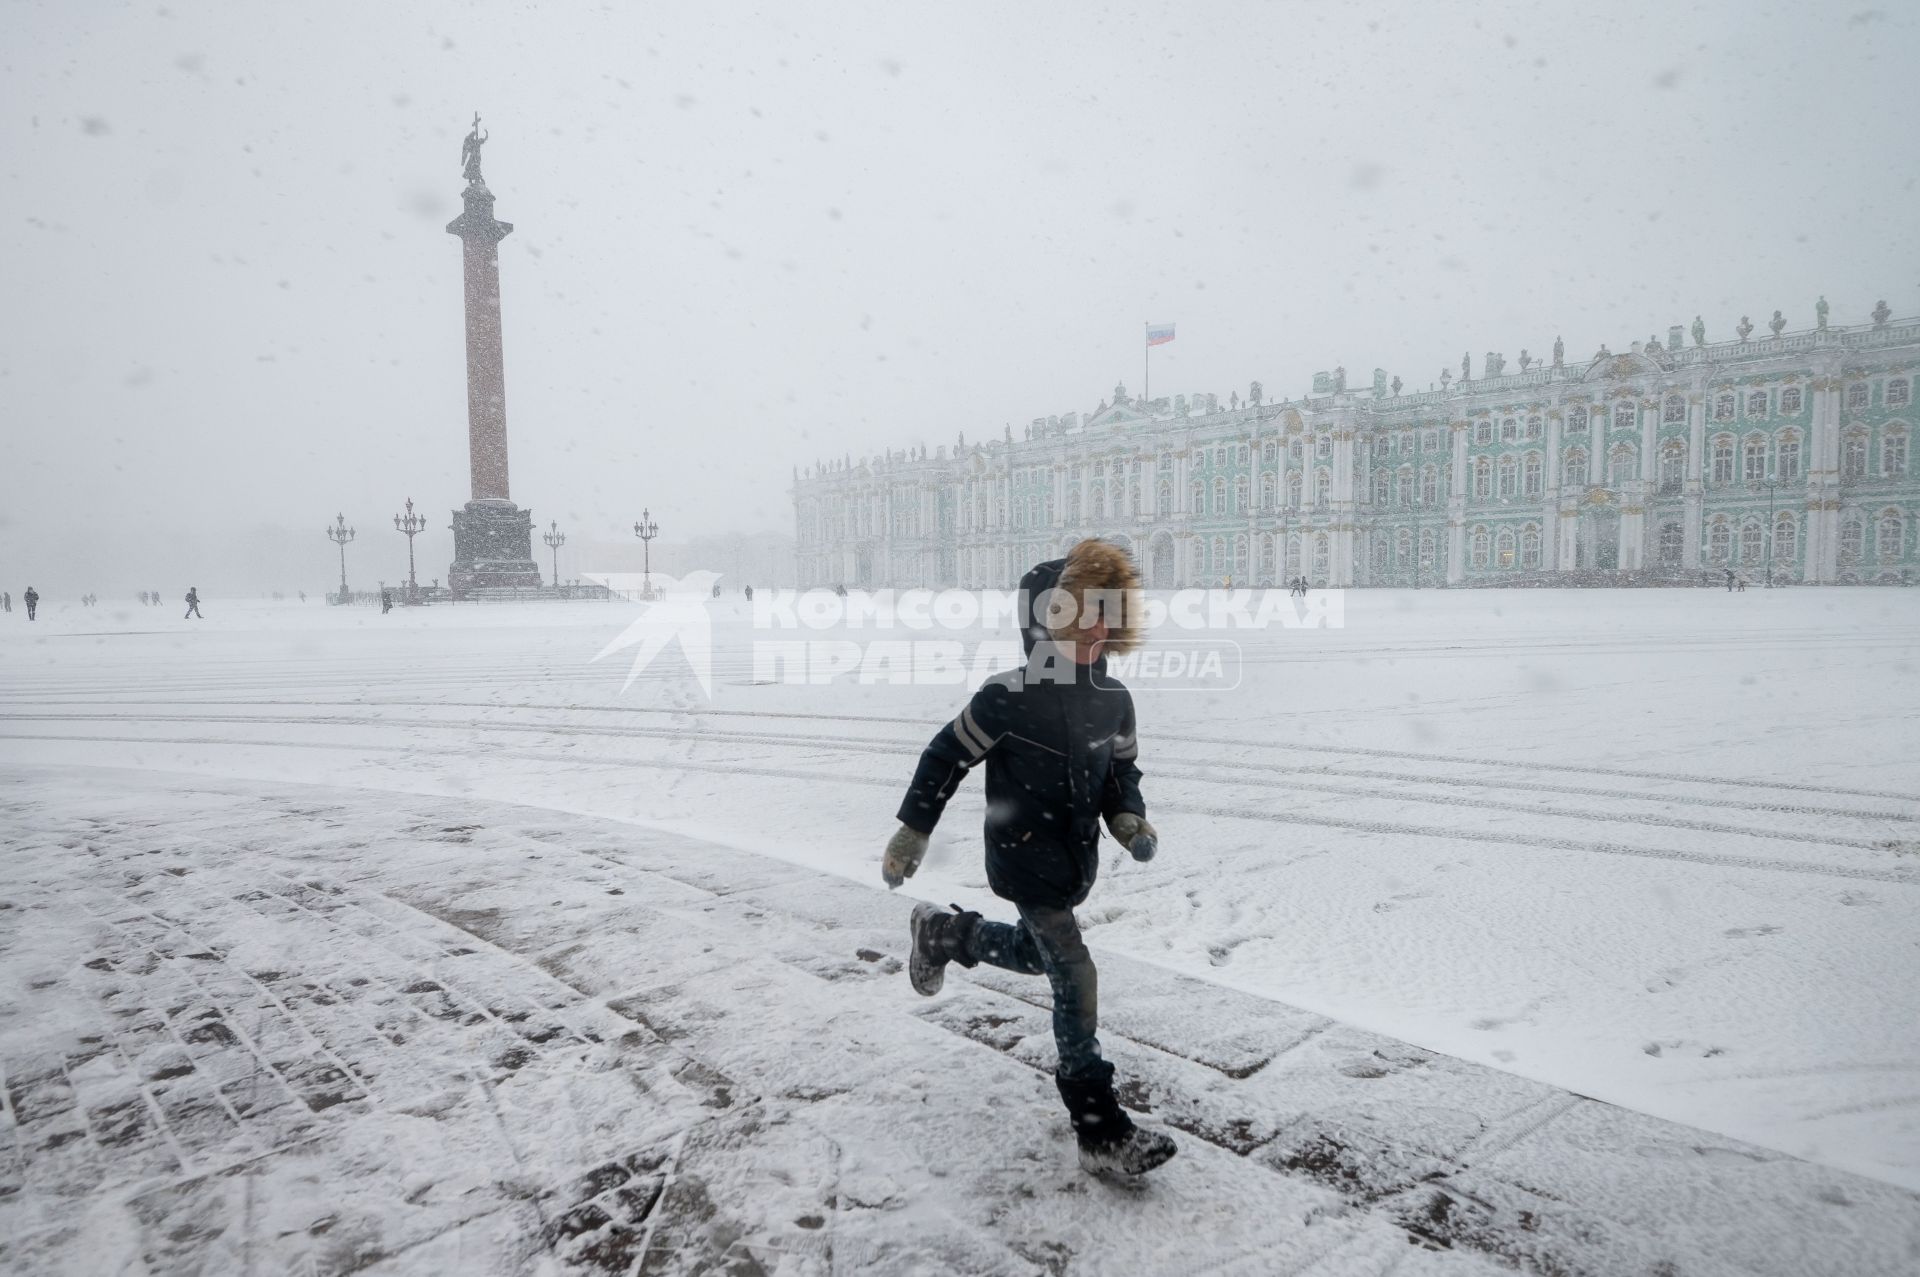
[(1058, 741)]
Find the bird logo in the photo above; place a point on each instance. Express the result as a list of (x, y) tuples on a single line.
[(676, 611)]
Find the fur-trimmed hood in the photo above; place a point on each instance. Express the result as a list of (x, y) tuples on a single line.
[(1096, 577)]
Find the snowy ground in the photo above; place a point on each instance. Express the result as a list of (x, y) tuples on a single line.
[(1426, 884)]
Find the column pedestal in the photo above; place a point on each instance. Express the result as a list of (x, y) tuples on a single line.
[(492, 547)]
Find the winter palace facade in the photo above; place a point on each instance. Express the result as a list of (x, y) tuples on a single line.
[(1789, 455)]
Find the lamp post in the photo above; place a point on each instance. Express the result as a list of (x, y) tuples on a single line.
[(340, 534), (412, 524), (646, 530), (1772, 484), (555, 538)]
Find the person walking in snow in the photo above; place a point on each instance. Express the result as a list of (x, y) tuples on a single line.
[(32, 598), (1729, 572), (6, 601), (1057, 738), (193, 604)]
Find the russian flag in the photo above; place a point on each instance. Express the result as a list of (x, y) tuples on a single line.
[(1159, 334)]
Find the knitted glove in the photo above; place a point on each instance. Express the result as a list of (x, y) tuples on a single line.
[(1134, 833), (904, 851)]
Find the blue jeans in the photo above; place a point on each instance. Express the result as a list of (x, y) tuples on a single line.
[(1047, 942)]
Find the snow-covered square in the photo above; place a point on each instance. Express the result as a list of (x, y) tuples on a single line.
[(1565, 930)]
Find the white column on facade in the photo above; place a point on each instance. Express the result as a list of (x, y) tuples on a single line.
[(1599, 421), (1693, 502), (1823, 477), (1457, 507), (1550, 538)]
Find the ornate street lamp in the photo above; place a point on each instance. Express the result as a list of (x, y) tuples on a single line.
[(555, 538), (412, 524), (340, 534), (646, 530)]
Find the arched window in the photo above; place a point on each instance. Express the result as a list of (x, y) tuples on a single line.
[(1893, 453), (1853, 457), (1296, 450), (1719, 539), (1197, 498), (1723, 407), (1892, 536), (1220, 565), (1535, 430), (1406, 485), (1073, 506), (1509, 478), (1530, 546), (1576, 419), (1320, 555), (1753, 464), (1674, 412), (1380, 554), (1481, 547), (1163, 497), (1267, 550), (1899, 392), (1753, 541), (1786, 539), (1323, 446), (1430, 485), (1293, 487), (1099, 501), (1503, 548), (1268, 452), (1756, 403), (1240, 494), (1859, 395), (1483, 431), (1624, 416), (1722, 459), (1673, 542), (1482, 477), (1403, 547), (1426, 547), (1322, 486), (1219, 496), (1267, 487), (1789, 456), (1382, 487), (1790, 401), (1851, 537), (1294, 544), (1510, 431), (1624, 465), (1574, 469)]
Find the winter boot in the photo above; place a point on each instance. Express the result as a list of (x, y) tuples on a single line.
[(939, 937), (1110, 1144)]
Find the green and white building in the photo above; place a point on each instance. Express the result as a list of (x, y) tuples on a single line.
[(1789, 454)]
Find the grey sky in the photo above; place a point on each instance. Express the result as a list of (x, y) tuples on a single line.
[(749, 237)]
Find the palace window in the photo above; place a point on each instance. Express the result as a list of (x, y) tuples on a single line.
[(1723, 459), (1673, 467), (1898, 391), (1673, 542), (1853, 457), (1268, 548), (1294, 544), (1754, 459), (1166, 463), (1576, 419), (1320, 556), (1859, 395), (1219, 496), (1197, 498), (1893, 454), (1624, 465), (1293, 487), (1403, 546), (1482, 478), (1790, 401), (1510, 431), (1851, 536), (1163, 498), (1674, 413), (1786, 536), (1504, 548), (1323, 447), (1220, 554), (1380, 446), (1573, 471), (1530, 546), (1267, 487), (1430, 441), (1240, 494), (1892, 536), (1481, 547), (1719, 540), (1788, 456), (1752, 541), (1382, 487), (1073, 507), (1240, 554), (1757, 404), (1430, 485), (1246, 455), (1406, 485), (1723, 408), (1322, 486), (1509, 477), (1624, 416), (1268, 453), (1297, 451), (1483, 431), (1535, 429), (1426, 547), (1406, 441), (1099, 502)]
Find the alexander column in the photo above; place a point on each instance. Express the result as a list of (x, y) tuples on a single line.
[(492, 537)]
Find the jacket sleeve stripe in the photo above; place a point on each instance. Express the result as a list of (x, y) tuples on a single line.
[(967, 728)]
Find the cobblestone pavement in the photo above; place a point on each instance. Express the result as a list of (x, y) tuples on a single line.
[(260, 1027)]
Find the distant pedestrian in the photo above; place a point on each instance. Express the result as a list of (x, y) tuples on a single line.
[(749, 593), (193, 604), (1743, 584), (1729, 572), (32, 597), (716, 589), (386, 602), (155, 596), (6, 602)]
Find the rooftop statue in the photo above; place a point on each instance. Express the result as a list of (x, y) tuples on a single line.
[(1559, 352), (1777, 323), (1820, 313), (1881, 314), (470, 152), (1699, 331)]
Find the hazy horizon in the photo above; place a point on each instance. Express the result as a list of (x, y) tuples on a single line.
[(747, 240)]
